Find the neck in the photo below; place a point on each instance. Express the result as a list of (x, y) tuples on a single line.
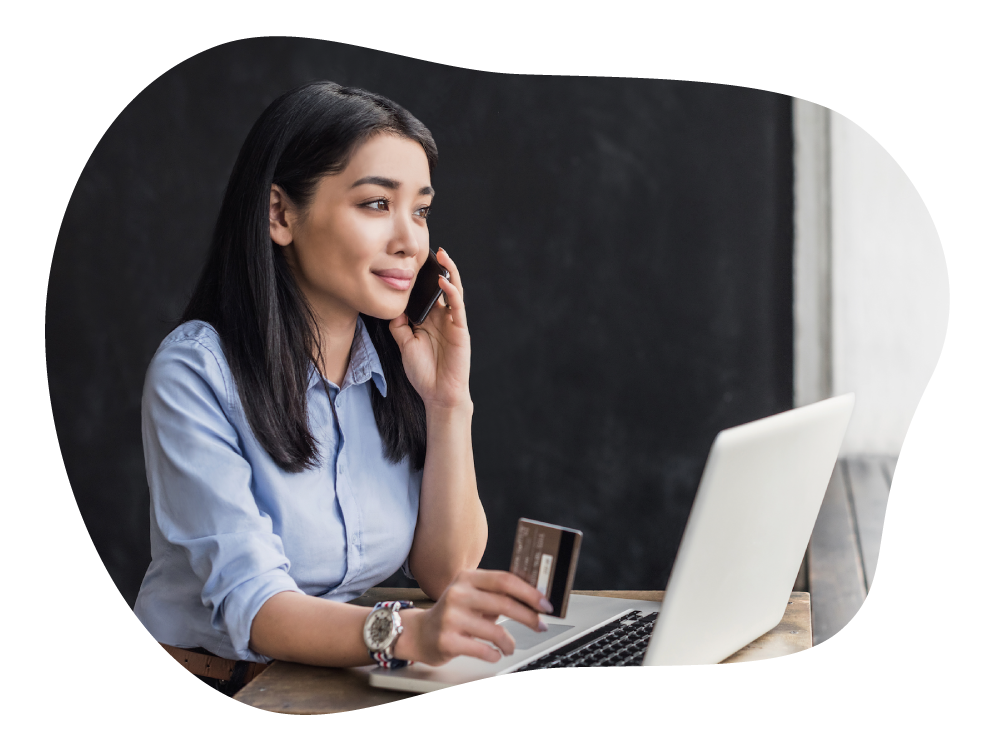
[(336, 323), (336, 336)]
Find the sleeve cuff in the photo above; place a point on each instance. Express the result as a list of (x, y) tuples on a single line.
[(243, 603)]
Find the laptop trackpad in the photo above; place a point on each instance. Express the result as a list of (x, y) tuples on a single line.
[(526, 638)]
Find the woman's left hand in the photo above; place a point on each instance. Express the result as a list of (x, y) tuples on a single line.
[(437, 353)]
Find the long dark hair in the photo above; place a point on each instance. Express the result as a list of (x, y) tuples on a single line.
[(247, 291)]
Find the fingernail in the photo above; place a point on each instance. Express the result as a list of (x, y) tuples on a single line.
[(545, 605), (542, 627), (443, 251)]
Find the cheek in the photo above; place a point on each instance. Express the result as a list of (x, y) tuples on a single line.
[(342, 247), (360, 243), (362, 240)]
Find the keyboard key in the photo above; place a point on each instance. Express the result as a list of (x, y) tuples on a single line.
[(619, 643)]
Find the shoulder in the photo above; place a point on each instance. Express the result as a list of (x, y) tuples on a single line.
[(193, 333), (191, 354)]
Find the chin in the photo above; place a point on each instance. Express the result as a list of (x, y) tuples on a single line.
[(385, 310)]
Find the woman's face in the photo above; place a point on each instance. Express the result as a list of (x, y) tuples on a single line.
[(359, 245)]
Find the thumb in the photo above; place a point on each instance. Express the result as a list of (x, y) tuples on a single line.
[(399, 327)]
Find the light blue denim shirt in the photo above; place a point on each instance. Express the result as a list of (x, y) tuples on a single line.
[(229, 528)]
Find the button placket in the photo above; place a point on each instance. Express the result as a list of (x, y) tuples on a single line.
[(352, 508), (341, 483), (348, 506)]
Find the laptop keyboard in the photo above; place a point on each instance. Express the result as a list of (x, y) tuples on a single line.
[(620, 643)]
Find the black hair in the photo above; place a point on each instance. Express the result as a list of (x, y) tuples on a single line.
[(248, 294)]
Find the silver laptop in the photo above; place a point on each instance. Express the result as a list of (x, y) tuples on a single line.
[(753, 514)]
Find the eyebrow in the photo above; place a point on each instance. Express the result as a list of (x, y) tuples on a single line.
[(390, 184)]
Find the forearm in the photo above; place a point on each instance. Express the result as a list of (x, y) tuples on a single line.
[(451, 526), (295, 627), (308, 630)]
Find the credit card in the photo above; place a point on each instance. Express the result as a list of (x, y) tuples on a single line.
[(545, 556)]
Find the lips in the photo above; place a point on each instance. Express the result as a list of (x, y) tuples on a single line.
[(396, 278)]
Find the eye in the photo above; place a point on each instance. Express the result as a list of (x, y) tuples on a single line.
[(379, 204), (423, 212)]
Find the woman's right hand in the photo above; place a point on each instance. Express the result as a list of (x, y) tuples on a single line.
[(468, 610)]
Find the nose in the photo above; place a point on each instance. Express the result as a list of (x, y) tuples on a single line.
[(407, 236)]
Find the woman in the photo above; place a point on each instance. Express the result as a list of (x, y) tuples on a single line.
[(302, 440)]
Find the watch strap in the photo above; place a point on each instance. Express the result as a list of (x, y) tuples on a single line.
[(382, 658)]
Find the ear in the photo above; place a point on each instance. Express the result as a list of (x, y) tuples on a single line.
[(281, 217)]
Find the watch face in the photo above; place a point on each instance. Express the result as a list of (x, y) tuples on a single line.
[(378, 630)]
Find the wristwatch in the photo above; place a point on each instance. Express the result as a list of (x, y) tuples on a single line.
[(382, 629)]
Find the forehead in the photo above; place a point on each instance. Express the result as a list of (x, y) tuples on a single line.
[(390, 156)]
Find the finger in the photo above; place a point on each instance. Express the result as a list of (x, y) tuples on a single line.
[(489, 605), (401, 331), (477, 596), (460, 645), (501, 581), (455, 301), (476, 627), (445, 260)]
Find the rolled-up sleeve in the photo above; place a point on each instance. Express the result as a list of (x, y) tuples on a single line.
[(200, 487)]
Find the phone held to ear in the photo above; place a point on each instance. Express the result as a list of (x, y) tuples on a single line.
[(425, 290)]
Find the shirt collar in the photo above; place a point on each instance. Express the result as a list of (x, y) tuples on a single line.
[(363, 364)]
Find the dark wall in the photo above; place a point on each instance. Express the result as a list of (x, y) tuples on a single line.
[(625, 247)]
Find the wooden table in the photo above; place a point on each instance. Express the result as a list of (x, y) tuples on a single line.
[(290, 688)]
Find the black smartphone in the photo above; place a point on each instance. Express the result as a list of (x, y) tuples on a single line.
[(425, 290)]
